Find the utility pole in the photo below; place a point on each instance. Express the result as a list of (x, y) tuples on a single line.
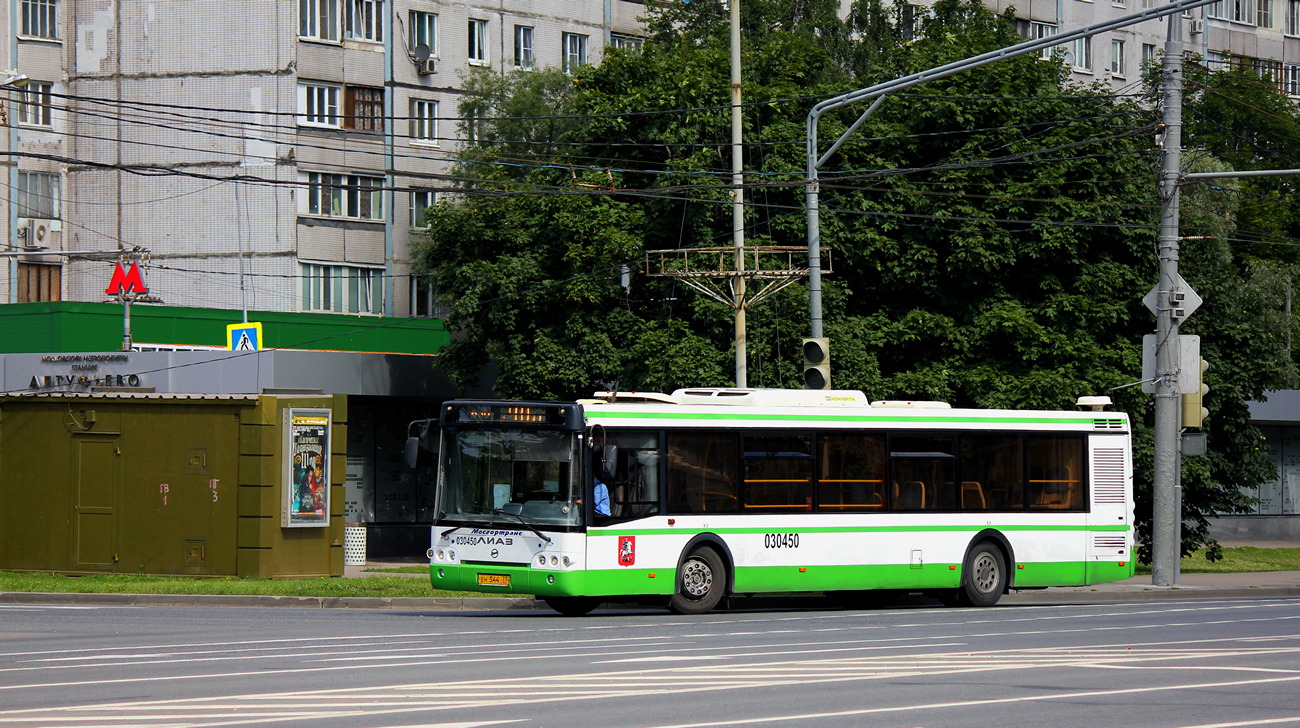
[(738, 202), (1166, 516), (771, 267)]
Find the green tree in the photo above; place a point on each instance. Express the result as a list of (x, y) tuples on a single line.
[(992, 232)]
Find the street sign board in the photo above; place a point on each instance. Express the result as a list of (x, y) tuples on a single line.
[(1188, 363), (1183, 299), (244, 337)]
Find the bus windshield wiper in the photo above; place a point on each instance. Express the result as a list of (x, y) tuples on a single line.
[(449, 531), (526, 524)]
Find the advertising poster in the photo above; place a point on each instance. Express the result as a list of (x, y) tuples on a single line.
[(307, 492)]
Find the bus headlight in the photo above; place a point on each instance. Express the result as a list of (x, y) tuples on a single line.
[(442, 555), (567, 561), (541, 559), (451, 555), (555, 561)]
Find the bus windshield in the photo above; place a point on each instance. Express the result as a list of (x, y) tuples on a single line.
[(508, 475)]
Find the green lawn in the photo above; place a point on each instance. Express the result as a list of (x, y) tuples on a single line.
[(1240, 559), (371, 586)]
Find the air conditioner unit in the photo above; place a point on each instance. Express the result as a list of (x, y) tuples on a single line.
[(1197, 26), (38, 233), (427, 66)]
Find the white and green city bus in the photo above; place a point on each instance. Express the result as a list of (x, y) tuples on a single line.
[(705, 493)]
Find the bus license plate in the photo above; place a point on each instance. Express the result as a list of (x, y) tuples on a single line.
[(494, 579)]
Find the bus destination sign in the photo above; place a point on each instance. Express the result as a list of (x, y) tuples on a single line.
[(512, 413)]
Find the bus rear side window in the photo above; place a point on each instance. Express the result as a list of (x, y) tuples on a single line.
[(1056, 473), (992, 472)]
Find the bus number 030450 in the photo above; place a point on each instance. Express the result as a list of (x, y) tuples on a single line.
[(781, 540)]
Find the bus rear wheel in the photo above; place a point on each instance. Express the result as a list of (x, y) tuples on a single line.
[(572, 606), (984, 577), (701, 583)]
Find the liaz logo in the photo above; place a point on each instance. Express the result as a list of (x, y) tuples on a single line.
[(124, 282), (626, 550)]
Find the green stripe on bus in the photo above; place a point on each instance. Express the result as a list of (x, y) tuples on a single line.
[(1004, 419), (770, 579)]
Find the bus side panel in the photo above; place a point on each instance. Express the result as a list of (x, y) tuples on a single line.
[(809, 553), (1110, 520)]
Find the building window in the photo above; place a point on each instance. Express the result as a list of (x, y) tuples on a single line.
[(421, 297), (1293, 17), (40, 19), (1035, 30), (524, 47), (1148, 53), (424, 121), (37, 195), (365, 108), (350, 196), (478, 40), (1264, 13), (39, 282), (1117, 58), (318, 19), (575, 51), (424, 30), (633, 43), (472, 124), (34, 103), (1081, 54), (1217, 10), (1291, 80), (1217, 61), (1269, 70), (318, 105), (1243, 11), (364, 20), (342, 288), (421, 201)]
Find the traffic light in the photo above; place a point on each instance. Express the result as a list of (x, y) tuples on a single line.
[(817, 363), (1194, 411)]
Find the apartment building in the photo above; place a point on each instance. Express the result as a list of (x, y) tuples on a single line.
[(264, 155), (1264, 33)]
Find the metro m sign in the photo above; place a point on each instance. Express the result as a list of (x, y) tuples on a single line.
[(124, 282)]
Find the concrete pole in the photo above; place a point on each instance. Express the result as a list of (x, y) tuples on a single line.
[(1166, 518), (738, 202)]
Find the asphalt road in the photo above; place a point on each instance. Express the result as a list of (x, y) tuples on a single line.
[(1209, 662)]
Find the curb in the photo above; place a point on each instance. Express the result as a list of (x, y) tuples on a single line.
[(1077, 595), (224, 600)]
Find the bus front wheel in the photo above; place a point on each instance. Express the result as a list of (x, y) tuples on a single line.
[(984, 577), (572, 606), (701, 582)]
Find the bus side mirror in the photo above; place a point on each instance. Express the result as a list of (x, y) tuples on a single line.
[(609, 459), (411, 452)]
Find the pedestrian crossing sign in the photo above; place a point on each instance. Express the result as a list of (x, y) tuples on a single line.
[(244, 337)]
